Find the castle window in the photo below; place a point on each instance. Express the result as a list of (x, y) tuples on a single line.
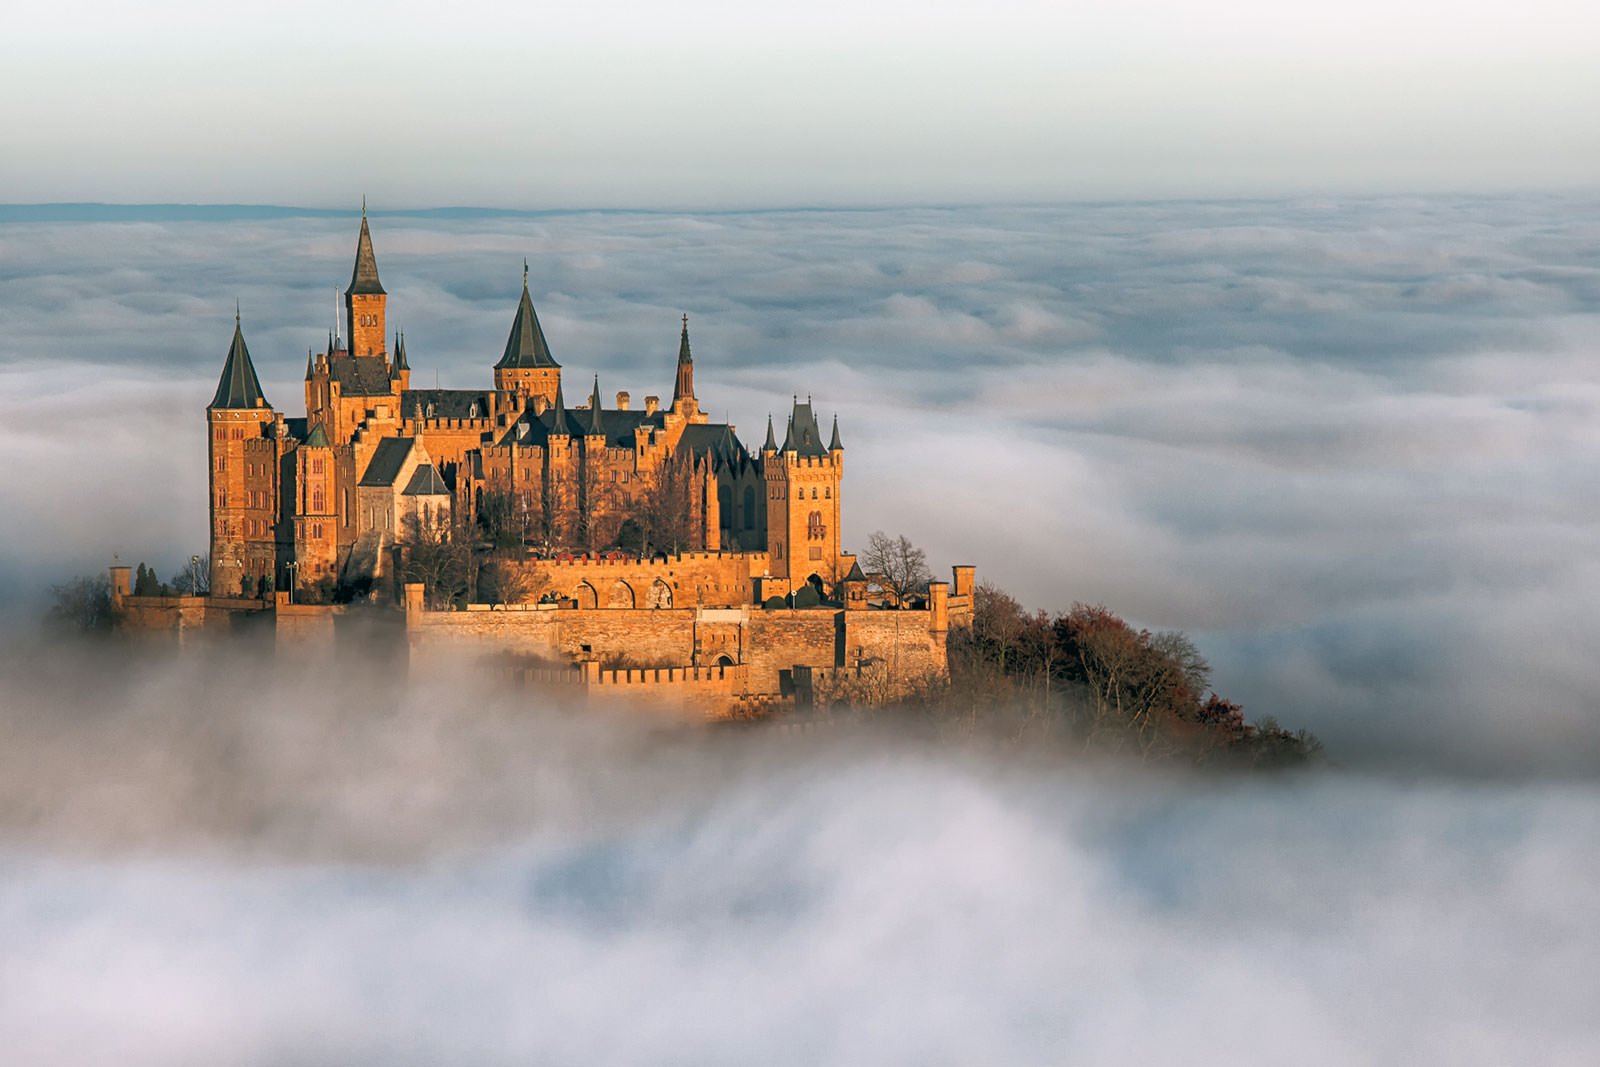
[(827, 493), (316, 466), (813, 493)]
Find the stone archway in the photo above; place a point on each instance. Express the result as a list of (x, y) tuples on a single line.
[(585, 596), (621, 596), (725, 660), (659, 596)]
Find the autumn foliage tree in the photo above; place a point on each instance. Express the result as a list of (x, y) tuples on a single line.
[(1089, 675)]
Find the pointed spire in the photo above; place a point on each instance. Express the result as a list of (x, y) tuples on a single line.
[(772, 442), (683, 386), (557, 415), (834, 445), (526, 347), (399, 365), (239, 387), (308, 364), (597, 426), (364, 277), (788, 436)]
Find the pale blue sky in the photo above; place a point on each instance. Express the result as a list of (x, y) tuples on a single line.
[(712, 103)]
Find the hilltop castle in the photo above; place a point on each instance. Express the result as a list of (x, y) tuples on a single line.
[(653, 553), (297, 502)]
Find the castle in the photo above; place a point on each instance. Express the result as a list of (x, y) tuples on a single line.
[(297, 501), (652, 537)]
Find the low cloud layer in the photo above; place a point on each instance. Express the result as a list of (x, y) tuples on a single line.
[(442, 873), (1347, 444)]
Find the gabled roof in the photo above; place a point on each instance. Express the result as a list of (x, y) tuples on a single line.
[(526, 347), (317, 438), (239, 387), (425, 481), (387, 460), (360, 375), (364, 278), (856, 574)]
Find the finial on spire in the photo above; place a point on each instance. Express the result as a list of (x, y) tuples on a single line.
[(524, 272), (363, 205), (236, 311), (685, 322)]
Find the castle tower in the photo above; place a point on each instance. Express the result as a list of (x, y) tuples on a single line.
[(803, 508), (527, 368), (316, 521), (243, 465), (683, 398), (365, 299)]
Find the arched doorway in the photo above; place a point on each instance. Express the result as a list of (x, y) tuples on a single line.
[(585, 596)]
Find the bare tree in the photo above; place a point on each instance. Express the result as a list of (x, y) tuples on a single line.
[(505, 580), (439, 556), (666, 516), (81, 606), (899, 565), (193, 578)]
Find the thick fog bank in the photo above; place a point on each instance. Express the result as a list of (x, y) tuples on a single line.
[(1348, 444), (202, 863)]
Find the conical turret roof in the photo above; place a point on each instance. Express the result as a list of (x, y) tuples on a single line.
[(834, 445), (556, 417), (239, 387), (364, 278), (772, 442), (526, 347), (597, 426), (400, 363)]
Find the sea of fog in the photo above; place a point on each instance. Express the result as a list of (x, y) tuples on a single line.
[(338, 868), (1349, 445)]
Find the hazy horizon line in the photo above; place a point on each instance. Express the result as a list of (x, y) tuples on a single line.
[(109, 211)]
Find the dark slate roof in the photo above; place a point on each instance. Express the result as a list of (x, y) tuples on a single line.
[(855, 574), (804, 435), (317, 438), (239, 387), (716, 438), (834, 444), (387, 460), (445, 403), (425, 481), (526, 347), (683, 343), (360, 375), (364, 278), (400, 363), (772, 442)]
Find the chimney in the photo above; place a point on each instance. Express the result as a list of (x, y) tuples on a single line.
[(650, 404), (622, 401)]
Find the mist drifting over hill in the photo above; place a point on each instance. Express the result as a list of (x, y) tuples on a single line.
[(1348, 446)]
